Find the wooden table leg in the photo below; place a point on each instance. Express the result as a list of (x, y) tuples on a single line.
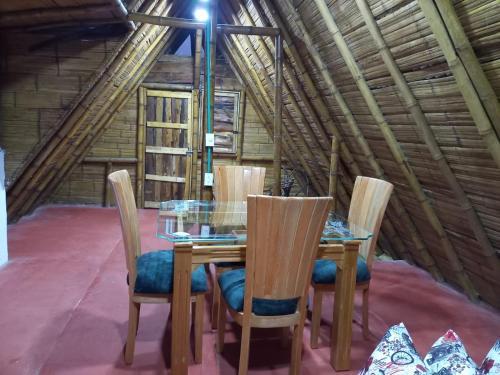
[(345, 286), (180, 307)]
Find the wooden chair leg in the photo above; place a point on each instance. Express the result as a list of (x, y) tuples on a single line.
[(298, 332), (221, 326), (133, 324), (198, 328), (365, 308), (215, 301), (245, 349), (316, 317)]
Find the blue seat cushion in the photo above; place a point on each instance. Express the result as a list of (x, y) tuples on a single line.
[(325, 271), (232, 286), (155, 274)]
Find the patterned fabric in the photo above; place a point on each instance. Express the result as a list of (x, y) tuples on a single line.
[(232, 286), (491, 364), (449, 357), (155, 274), (325, 271), (395, 354)]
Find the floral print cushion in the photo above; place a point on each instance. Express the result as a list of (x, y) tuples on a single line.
[(491, 364), (395, 354), (448, 356)]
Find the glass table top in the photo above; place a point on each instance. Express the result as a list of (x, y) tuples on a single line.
[(213, 221)]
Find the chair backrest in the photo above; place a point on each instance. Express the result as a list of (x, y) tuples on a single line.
[(235, 183), (124, 195), (368, 202), (283, 235)]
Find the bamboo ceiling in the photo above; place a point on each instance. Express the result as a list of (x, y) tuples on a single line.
[(410, 89)]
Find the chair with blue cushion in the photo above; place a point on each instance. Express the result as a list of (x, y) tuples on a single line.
[(233, 183), (150, 275), (283, 236), (368, 202)]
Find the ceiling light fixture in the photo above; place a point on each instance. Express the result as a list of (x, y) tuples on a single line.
[(201, 14)]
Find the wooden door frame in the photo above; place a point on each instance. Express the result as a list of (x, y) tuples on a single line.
[(143, 93)]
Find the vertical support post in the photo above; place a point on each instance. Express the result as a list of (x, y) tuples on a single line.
[(241, 125), (343, 307), (141, 132), (180, 307), (107, 171), (196, 112), (278, 81), (332, 183)]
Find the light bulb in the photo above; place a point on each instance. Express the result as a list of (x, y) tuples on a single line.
[(201, 14)]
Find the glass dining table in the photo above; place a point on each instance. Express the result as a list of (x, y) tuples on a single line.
[(211, 231)]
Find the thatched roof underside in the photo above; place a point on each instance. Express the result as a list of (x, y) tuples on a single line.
[(399, 84)]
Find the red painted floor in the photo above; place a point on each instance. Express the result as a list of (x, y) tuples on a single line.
[(64, 307)]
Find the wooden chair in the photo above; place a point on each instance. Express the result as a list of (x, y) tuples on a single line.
[(368, 202), (150, 275), (233, 183), (283, 235)]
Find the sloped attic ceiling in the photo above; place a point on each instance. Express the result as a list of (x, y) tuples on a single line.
[(43, 13), (408, 102)]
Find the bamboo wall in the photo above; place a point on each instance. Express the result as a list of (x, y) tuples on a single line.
[(38, 86), (427, 221)]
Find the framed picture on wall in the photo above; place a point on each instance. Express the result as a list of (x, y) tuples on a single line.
[(226, 115)]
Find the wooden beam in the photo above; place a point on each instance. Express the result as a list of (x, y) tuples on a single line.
[(293, 53), (396, 150), (67, 143), (191, 24), (241, 125), (368, 155), (420, 120), (196, 111), (464, 83), (263, 106), (471, 63), (334, 159), (278, 81), (141, 142)]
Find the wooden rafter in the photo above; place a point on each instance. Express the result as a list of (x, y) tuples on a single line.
[(302, 71), (471, 63), (464, 82), (63, 148), (397, 152), (420, 120)]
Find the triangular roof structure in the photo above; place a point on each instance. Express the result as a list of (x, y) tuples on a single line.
[(407, 87)]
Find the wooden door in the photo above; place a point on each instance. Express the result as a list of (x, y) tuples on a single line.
[(167, 169)]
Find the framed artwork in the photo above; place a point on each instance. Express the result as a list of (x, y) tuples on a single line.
[(226, 115)]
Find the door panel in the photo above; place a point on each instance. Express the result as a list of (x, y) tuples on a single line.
[(167, 170)]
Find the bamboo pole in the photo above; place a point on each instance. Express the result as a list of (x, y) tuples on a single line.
[(263, 108), (81, 104), (196, 111), (278, 81), (471, 63), (241, 125), (50, 163), (313, 138), (141, 138), (420, 120), (397, 152), (90, 140), (334, 156), (471, 97), (344, 150)]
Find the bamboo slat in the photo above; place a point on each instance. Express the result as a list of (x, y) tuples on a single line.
[(396, 150), (419, 117), (470, 95), (141, 138)]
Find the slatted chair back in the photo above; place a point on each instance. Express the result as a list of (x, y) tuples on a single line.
[(235, 183), (283, 235), (124, 196), (368, 203)]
